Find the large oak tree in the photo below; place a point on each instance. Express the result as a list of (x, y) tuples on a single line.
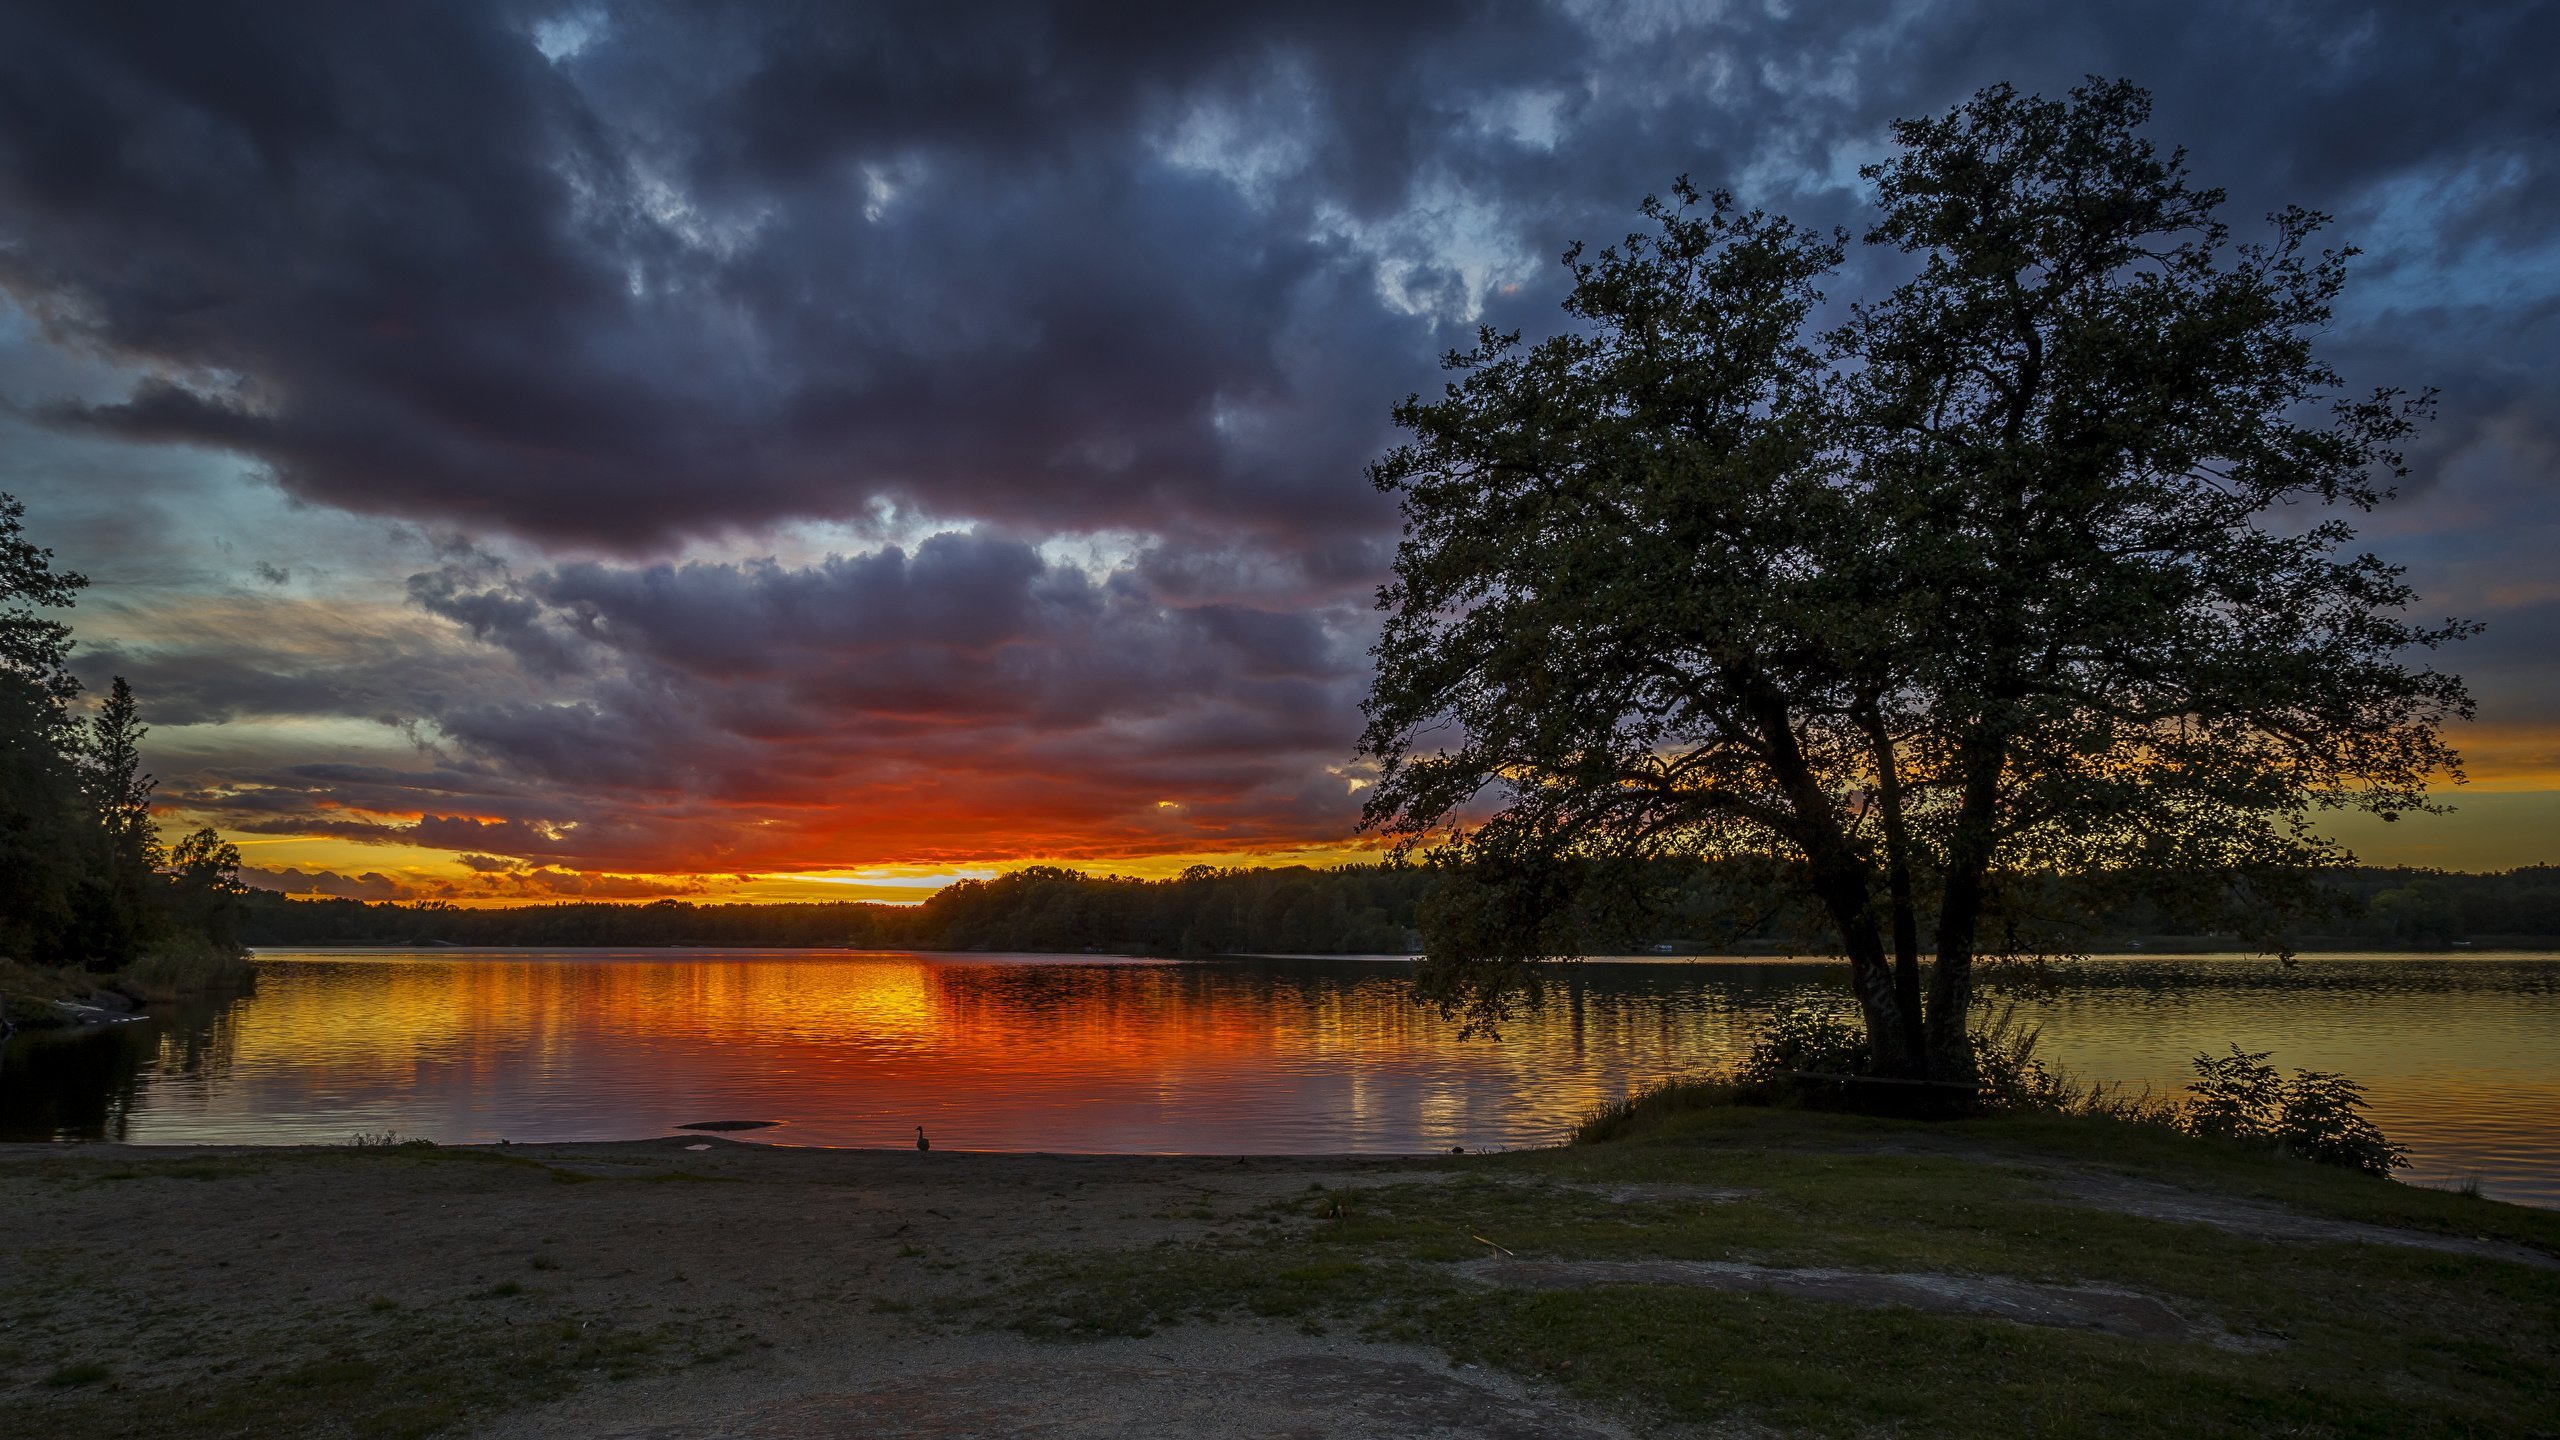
[(2037, 564)]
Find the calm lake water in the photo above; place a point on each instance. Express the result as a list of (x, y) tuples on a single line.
[(1073, 1053)]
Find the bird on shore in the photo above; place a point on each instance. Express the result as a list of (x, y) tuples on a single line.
[(922, 1144)]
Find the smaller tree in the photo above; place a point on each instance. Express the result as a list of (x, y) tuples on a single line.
[(116, 905), (119, 792), (205, 892), (46, 840), (46, 845)]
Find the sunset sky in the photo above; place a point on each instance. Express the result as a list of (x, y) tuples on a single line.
[(531, 451)]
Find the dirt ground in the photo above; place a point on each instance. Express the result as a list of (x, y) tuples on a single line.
[(699, 1288), (807, 1282)]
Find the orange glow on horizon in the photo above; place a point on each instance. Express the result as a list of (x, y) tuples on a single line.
[(896, 844), (429, 875)]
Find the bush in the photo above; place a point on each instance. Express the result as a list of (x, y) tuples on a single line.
[(2317, 1115), (1827, 1041), (2323, 1120), (1803, 1037), (185, 967), (2013, 1079), (27, 993), (2237, 1097)]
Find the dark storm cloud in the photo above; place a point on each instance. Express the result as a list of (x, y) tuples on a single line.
[(584, 283), (710, 268), (965, 627), (693, 280)]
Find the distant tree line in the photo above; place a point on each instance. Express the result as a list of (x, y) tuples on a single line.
[(2434, 907), (1377, 909), (85, 878), (1291, 910)]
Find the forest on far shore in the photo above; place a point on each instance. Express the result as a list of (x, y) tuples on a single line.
[(1372, 909)]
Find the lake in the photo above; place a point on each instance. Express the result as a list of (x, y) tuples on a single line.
[(1076, 1053)]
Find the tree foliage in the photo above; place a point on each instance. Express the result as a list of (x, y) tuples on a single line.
[(2000, 577), (33, 646), (84, 878)]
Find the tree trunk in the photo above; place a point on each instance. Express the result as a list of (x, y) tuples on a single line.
[(1906, 920), (1950, 1046), (1845, 885), (1889, 1027)]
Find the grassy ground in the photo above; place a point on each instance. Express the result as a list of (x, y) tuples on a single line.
[(2322, 1339), (411, 1291), (27, 992), (172, 972)]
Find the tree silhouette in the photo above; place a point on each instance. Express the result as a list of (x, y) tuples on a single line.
[(31, 645), (1999, 577), (84, 878)]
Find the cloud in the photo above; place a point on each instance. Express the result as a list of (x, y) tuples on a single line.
[(502, 884), (372, 885), (685, 282), (968, 696), (1064, 268), (788, 437)]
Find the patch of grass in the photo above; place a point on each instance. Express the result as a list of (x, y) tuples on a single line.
[(1634, 1114), (172, 971), (503, 1290), (1805, 1367), (2354, 1340), (27, 993), (370, 1371)]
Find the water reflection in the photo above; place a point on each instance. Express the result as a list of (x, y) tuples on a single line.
[(1051, 1053)]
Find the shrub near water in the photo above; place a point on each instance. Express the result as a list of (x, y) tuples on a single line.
[(185, 966), (1804, 1038), (1821, 1041), (2316, 1115)]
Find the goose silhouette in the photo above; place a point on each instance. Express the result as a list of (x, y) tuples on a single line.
[(922, 1144)]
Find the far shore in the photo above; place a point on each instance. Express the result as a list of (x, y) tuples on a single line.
[(2205, 947)]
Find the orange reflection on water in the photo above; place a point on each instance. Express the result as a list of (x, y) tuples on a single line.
[(1037, 1053), (2462, 1056)]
